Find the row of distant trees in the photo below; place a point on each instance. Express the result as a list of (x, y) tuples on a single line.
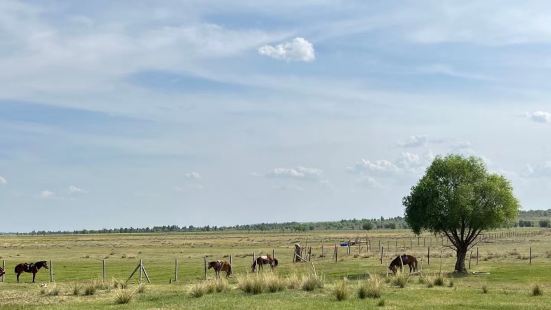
[(353, 224)]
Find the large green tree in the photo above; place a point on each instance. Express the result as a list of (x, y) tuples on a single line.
[(459, 198)]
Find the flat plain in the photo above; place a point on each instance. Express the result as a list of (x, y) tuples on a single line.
[(510, 264)]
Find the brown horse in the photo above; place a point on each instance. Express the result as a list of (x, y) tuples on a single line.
[(402, 260), (220, 265), (2, 272), (264, 260), (31, 268)]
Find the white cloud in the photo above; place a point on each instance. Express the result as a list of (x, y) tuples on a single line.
[(3, 180), (379, 166), (192, 175), (539, 116), (406, 163), (414, 141), (76, 190), (46, 194), (299, 49), (299, 173)]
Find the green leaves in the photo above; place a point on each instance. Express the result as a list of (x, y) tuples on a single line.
[(458, 195)]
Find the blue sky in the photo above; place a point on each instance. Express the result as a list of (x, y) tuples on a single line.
[(134, 113)]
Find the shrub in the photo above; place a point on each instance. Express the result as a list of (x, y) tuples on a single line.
[(484, 289), (197, 290), (439, 280), (311, 282), (536, 290), (90, 290), (341, 290), (141, 288), (370, 289), (251, 284), (381, 303), (75, 289), (273, 283), (123, 296), (293, 281), (400, 279)]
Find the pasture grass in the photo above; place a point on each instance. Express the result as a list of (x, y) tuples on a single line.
[(509, 281)]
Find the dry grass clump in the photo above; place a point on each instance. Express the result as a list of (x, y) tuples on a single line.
[(198, 290), (52, 291), (311, 282), (438, 280), (341, 291), (484, 289), (116, 283), (75, 289), (221, 285), (273, 283), (90, 290), (251, 284), (293, 281), (381, 303), (141, 288), (370, 288), (123, 296), (537, 290), (400, 279)]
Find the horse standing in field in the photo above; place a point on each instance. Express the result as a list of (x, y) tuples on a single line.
[(2, 272), (402, 260), (264, 260), (220, 265), (31, 268)]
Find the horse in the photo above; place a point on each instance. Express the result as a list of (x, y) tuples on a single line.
[(33, 267), (220, 265), (2, 272), (402, 260), (264, 260)]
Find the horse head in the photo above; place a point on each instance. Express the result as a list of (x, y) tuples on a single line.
[(275, 262), (42, 263)]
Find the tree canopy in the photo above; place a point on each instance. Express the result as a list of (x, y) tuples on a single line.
[(459, 198)]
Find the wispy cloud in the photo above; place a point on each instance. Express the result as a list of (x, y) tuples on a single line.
[(3, 180), (76, 190), (539, 116), (414, 141), (47, 194), (299, 49), (298, 173)]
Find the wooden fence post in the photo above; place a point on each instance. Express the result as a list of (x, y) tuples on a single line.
[(477, 255), (51, 269), (348, 248), (231, 260), (530, 256), (176, 270), (382, 253), (336, 253), (322, 254), (103, 270), (273, 253), (254, 260), (309, 253), (205, 265), (470, 256), (428, 255), (141, 271)]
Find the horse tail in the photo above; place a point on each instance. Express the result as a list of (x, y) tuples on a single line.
[(253, 267)]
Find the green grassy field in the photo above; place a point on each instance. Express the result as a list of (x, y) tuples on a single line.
[(503, 269)]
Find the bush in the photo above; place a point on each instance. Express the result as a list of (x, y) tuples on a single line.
[(400, 279), (438, 281), (273, 283), (197, 290), (536, 290), (75, 289), (293, 281), (90, 290), (544, 223), (341, 290), (251, 284), (311, 282), (123, 296), (221, 285), (370, 289)]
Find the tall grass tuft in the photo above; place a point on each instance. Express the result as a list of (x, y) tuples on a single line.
[(273, 283), (141, 288), (311, 282), (438, 280), (341, 290), (197, 290), (123, 296), (116, 283), (90, 290), (400, 279), (484, 289), (251, 284), (537, 290), (293, 281), (370, 288), (381, 303), (75, 289)]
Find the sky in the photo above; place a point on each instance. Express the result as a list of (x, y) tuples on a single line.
[(143, 113)]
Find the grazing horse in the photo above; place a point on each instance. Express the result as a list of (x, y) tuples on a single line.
[(33, 267), (220, 265), (402, 260), (2, 272), (264, 260)]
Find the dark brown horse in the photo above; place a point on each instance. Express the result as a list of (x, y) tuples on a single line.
[(220, 265), (2, 272), (264, 260), (401, 261), (31, 268)]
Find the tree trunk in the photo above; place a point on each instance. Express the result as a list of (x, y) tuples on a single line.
[(460, 263)]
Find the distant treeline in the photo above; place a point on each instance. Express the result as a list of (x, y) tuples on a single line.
[(533, 218)]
